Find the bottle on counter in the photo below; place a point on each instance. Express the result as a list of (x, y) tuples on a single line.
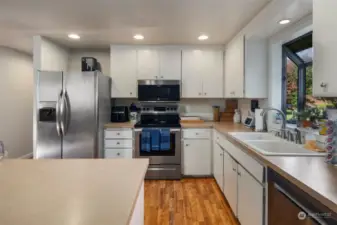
[(133, 113), (216, 113), (237, 116)]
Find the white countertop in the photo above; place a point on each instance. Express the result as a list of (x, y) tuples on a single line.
[(69, 192)]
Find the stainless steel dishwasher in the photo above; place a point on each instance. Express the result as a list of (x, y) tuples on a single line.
[(289, 205)]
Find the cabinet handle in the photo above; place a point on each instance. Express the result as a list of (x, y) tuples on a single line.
[(323, 85), (187, 145), (199, 93), (118, 143), (118, 134), (221, 154), (205, 93), (130, 93), (196, 133), (239, 173), (118, 153), (161, 77), (234, 169)]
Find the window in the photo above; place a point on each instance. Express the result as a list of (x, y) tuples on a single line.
[(297, 79)]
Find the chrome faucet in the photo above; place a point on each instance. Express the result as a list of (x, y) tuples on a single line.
[(264, 112)]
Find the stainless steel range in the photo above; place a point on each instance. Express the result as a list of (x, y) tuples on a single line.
[(165, 156)]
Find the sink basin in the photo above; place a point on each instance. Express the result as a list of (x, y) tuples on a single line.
[(281, 148), (247, 136)]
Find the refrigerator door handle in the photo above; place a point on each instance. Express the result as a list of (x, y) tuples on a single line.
[(58, 106), (66, 113)]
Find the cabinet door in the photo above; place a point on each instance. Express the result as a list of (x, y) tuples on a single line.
[(123, 71), (197, 157), (218, 159), (147, 64), (230, 181), (212, 72), (250, 199), (324, 44), (192, 74), (170, 64), (234, 69)]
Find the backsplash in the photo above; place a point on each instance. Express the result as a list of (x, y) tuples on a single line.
[(202, 107), (188, 107), (244, 106)]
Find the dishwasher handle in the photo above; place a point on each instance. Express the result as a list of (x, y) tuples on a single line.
[(301, 206)]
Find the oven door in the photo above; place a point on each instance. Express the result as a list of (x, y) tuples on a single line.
[(159, 90), (171, 156)]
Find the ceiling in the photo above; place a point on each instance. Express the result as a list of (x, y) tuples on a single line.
[(104, 22)]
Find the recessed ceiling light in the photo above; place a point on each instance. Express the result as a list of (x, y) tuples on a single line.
[(203, 37), (284, 21), (138, 37), (74, 36)]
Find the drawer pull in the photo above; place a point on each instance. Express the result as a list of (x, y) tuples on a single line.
[(118, 134), (239, 173), (196, 133), (187, 145), (118, 143), (234, 169), (118, 154)]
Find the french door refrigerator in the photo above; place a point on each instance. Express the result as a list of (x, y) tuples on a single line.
[(72, 109)]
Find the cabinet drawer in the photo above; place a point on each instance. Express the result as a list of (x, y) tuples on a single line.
[(249, 163), (118, 143), (197, 133), (118, 153), (118, 134)]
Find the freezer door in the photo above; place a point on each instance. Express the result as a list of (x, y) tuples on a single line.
[(79, 104), (104, 109), (49, 135)]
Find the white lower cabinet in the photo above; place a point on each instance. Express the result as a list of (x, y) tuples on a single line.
[(243, 190), (231, 182), (118, 143), (250, 199), (197, 157), (218, 165)]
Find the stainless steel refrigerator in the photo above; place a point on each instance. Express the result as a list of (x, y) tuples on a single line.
[(72, 109)]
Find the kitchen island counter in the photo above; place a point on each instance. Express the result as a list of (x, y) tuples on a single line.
[(70, 191)]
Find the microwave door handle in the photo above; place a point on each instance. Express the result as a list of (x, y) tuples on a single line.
[(58, 122)]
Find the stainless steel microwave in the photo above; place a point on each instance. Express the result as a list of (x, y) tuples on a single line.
[(158, 90)]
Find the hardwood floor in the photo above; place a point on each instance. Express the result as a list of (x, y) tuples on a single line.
[(186, 202)]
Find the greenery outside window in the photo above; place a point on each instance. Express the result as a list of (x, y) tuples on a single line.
[(297, 79)]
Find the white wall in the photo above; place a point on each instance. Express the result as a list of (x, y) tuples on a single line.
[(275, 58), (16, 98), (103, 56), (49, 56)]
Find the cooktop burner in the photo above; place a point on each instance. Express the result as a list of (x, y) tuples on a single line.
[(149, 125)]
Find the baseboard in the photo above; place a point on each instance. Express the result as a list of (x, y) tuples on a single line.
[(27, 156)]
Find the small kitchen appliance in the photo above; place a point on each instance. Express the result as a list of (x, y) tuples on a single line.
[(119, 114)]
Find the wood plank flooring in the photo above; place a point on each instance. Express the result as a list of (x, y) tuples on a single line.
[(186, 202)]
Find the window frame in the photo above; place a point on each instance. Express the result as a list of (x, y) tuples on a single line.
[(302, 68)]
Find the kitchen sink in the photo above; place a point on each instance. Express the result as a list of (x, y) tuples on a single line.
[(281, 148), (251, 136)]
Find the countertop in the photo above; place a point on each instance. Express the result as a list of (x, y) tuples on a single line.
[(309, 173), (64, 192), (119, 125)]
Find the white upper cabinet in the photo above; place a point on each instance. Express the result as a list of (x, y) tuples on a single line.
[(148, 64), (202, 74), (325, 48), (170, 64), (123, 71), (191, 74), (212, 73), (246, 68)]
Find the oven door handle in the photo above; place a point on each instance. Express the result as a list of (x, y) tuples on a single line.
[(171, 130)]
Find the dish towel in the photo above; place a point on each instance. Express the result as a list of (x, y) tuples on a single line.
[(165, 142), (155, 139), (146, 140)]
